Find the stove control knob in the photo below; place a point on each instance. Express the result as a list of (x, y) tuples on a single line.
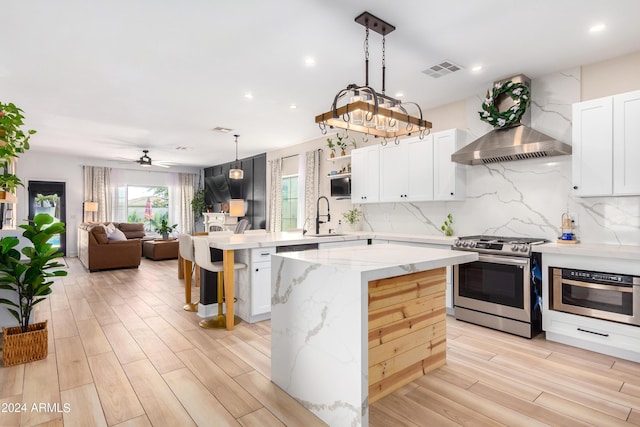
[(514, 247), (472, 244), (465, 243), (457, 242), (524, 248)]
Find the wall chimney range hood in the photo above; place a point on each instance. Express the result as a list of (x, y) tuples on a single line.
[(517, 142)]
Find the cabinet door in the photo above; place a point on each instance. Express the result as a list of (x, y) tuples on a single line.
[(394, 174), (420, 169), (592, 159), (448, 177), (365, 171), (260, 288), (626, 144)]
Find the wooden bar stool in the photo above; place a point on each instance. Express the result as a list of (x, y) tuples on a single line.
[(185, 247), (203, 259)]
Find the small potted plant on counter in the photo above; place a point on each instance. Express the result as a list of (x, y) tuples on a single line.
[(447, 227), (352, 218), (28, 274)]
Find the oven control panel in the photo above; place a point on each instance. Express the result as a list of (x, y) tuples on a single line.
[(599, 277)]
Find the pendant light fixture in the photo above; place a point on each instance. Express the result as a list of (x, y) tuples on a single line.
[(236, 172), (362, 109)]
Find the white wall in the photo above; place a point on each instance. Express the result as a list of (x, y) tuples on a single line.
[(43, 166)]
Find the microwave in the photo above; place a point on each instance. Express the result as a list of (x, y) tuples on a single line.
[(341, 187)]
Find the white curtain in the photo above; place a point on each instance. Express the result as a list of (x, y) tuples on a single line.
[(97, 182), (311, 186), (275, 195), (118, 195), (187, 189)]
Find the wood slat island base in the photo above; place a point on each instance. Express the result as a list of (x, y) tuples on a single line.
[(348, 326), (407, 329)]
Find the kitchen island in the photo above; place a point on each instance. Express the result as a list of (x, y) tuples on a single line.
[(248, 248), (351, 325)]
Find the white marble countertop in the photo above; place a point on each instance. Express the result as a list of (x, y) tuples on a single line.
[(383, 260), (591, 250), (249, 241)]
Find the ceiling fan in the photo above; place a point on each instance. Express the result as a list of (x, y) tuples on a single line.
[(145, 161)]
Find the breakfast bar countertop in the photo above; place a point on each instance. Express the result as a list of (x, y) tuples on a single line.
[(250, 241)]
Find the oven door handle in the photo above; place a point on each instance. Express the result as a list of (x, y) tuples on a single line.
[(504, 260), (598, 286)]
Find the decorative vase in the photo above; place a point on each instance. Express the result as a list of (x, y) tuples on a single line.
[(355, 226), (165, 236), (332, 155), (22, 347), (343, 153)]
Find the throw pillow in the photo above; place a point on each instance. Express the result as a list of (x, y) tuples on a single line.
[(110, 227), (116, 235)]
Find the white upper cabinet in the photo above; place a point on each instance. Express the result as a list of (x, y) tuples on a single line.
[(449, 178), (365, 174), (592, 148), (414, 170), (626, 144), (606, 146), (406, 170)]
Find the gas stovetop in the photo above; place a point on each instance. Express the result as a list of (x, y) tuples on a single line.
[(515, 246)]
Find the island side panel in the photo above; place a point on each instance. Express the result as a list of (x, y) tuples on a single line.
[(407, 329), (318, 339)]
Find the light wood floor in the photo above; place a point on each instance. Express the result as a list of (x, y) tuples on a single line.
[(123, 353)]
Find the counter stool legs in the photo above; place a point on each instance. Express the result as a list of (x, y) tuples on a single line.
[(188, 269), (219, 321)]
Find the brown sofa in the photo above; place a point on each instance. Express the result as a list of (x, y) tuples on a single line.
[(96, 252)]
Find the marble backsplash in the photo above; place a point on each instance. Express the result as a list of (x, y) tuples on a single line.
[(521, 198)]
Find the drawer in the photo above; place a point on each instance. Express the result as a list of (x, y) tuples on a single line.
[(262, 254)]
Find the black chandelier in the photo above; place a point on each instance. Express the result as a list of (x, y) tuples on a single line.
[(370, 112)]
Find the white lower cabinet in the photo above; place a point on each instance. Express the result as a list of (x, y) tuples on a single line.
[(602, 336), (253, 287)]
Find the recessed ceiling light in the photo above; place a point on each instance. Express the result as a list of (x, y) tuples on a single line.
[(309, 61), (476, 68), (248, 95), (399, 95), (222, 129), (597, 28), (292, 106)]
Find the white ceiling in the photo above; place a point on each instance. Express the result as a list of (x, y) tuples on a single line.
[(108, 79)]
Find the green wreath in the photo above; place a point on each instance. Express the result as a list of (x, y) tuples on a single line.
[(499, 119)]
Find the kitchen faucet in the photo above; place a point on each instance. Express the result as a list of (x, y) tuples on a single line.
[(328, 215)]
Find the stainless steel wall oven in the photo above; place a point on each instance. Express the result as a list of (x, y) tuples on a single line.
[(607, 296), (503, 289)]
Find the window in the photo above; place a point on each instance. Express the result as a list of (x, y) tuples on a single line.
[(289, 202), (149, 205)]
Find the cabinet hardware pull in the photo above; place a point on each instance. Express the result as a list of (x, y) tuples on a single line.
[(575, 187), (257, 269), (594, 333)]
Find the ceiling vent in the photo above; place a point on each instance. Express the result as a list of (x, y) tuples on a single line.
[(442, 69)]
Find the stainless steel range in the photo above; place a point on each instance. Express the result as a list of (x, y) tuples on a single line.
[(503, 289)]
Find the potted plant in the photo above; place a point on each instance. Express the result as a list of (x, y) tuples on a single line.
[(198, 203), (13, 141), (165, 229), (332, 147), (343, 146), (447, 226), (352, 217), (29, 278)]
